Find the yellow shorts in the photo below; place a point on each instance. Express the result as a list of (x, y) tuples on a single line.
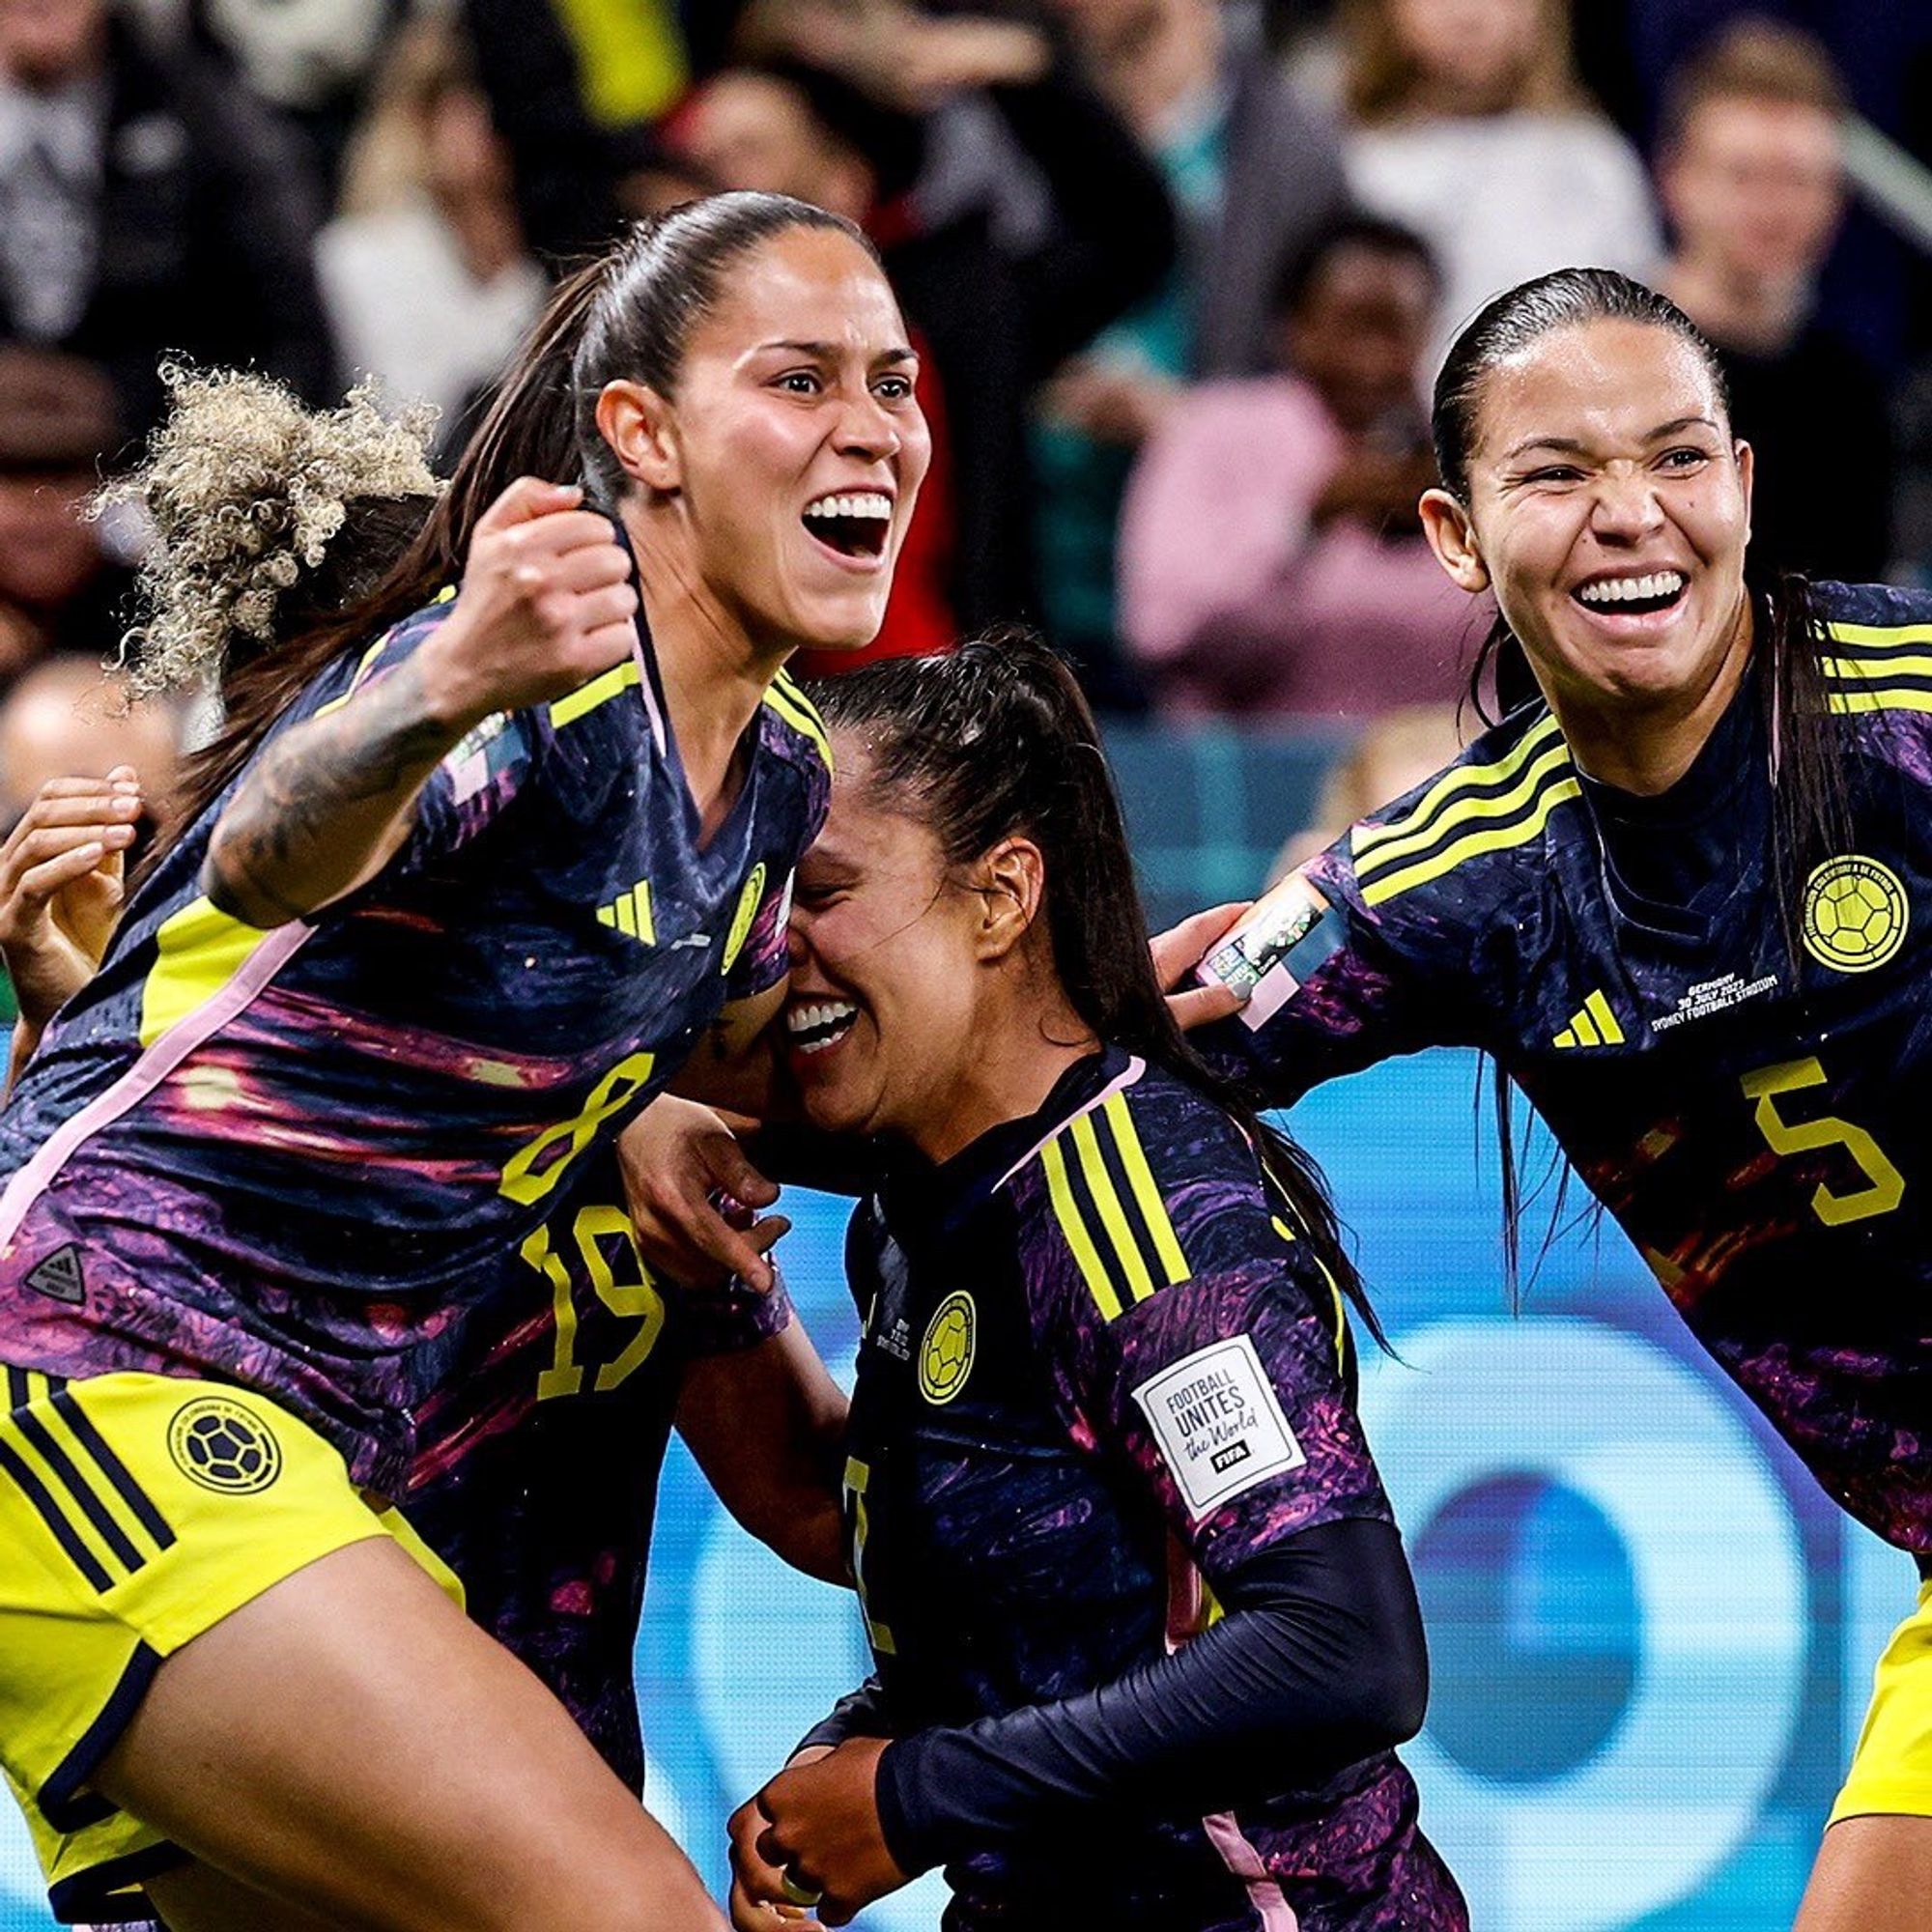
[(1891, 1768), (137, 1511)]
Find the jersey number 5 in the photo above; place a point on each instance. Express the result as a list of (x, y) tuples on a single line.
[(1887, 1184), (636, 1299)]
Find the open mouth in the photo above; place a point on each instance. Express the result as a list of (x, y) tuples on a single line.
[(854, 525), (812, 1026), (1633, 596)]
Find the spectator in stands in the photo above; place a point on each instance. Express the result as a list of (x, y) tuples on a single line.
[(1393, 756), (428, 283), (1752, 170), (72, 718), (147, 204), (1252, 174), (60, 580), (1272, 560), (996, 305), (1467, 123)]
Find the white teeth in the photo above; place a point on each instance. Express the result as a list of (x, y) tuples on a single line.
[(870, 503), (809, 1019), (1633, 589)]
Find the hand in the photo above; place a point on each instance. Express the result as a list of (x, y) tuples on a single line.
[(546, 605), (61, 887), (759, 1901), (695, 1197), (1111, 405), (1181, 947), (904, 59), (1380, 488), (822, 1830)]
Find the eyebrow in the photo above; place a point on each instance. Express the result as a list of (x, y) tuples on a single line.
[(829, 351), (1569, 446)]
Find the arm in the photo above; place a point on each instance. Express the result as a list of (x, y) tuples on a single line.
[(767, 1426), (546, 605)]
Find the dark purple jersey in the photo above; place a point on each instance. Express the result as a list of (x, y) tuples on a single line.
[(1101, 1376), (296, 1160), (1736, 1080)]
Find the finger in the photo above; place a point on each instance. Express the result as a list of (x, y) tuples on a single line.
[(1200, 1005), (1182, 947), (730, 1167), (37, 847), (598, 651), (611, 608), (43, 881), (526, 499), (105, 807), (549, 538), (725, 1248)]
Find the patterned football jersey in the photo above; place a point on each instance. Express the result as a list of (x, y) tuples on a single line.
[(295, 1158), (1734, 1079), (1098, 1370)]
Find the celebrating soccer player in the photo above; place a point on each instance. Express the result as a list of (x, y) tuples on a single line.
[(468, 878), (1145, 1633), (1685, 900)]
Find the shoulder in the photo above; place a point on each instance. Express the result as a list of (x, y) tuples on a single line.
[(1878, 653), (1485, 813), (1147, 1186), (792, 731)]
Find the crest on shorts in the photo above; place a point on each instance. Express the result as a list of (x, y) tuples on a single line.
[(224, 1446), (946, 1355), (1855, 914)]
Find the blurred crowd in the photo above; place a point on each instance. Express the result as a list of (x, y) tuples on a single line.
[(1180, 271)]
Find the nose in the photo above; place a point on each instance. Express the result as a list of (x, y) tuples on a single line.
[(1623, 507), (866, 429)]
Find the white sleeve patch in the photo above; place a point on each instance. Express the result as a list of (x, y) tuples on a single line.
[(1218, 1424)]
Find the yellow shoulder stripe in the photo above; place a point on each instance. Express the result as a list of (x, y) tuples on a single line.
[(1459, 779), (566, 710), (1880, 634), (1896, 664), (1110, 1209), (1501, 804), (1529, 822), (200, 950), (1852, 702), (800, 713)]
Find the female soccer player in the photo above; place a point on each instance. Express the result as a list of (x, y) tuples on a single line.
[(451, 901), (1145, 1633), (1684, 902)]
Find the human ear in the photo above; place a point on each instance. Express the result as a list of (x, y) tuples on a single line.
[(1747, 476), (641, 427), (1445, 523), (1010, 880)]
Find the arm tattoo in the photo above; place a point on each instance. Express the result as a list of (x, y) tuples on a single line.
[(324, 803)]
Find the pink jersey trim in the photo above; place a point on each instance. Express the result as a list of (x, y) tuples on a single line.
[(644, 688), (1241, 1859), (147, 1073), (1133, 1071)]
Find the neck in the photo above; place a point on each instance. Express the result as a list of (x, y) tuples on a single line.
[(1758, 314), (1017, 1057), (715, 674), (1646, 747)]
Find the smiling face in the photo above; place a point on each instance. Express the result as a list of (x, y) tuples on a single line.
[(783, 470), (884, 1016), (1609, 508)]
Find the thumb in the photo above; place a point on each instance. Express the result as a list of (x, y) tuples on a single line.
[(732, 1171), (527, 500)]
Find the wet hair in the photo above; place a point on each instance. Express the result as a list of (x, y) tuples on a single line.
[(628, 314), (1810, 809), (1372, 234), (997, 740)]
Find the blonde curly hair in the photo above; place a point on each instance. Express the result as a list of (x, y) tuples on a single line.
[(245, 489)]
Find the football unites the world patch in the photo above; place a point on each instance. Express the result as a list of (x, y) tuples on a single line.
[(1218, 1422), (946, 1355), (224, 1445), (1854, 914)]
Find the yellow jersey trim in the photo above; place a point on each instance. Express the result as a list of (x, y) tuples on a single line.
[(798, 711), (586, 698), (1880, 634), (1460, 778), (1475, 844), (1466, 811), (200, 950)]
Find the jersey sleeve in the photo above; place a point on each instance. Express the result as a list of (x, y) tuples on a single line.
[(491, 764), (1195, 1333), (763, 960)]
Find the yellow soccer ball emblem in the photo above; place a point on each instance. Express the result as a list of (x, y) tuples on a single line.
[(1854, 914), (946, 1355)]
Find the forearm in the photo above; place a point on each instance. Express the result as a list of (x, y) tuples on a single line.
[(329, 803), (1322, 1665)]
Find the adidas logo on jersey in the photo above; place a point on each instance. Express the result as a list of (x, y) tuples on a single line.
[(630, 914), (1594, 1026)]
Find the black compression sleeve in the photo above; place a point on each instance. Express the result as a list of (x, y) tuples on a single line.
[(859, 1714), (1319, 1663)]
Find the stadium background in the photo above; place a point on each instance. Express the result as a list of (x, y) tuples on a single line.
[(1652, 1636)]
